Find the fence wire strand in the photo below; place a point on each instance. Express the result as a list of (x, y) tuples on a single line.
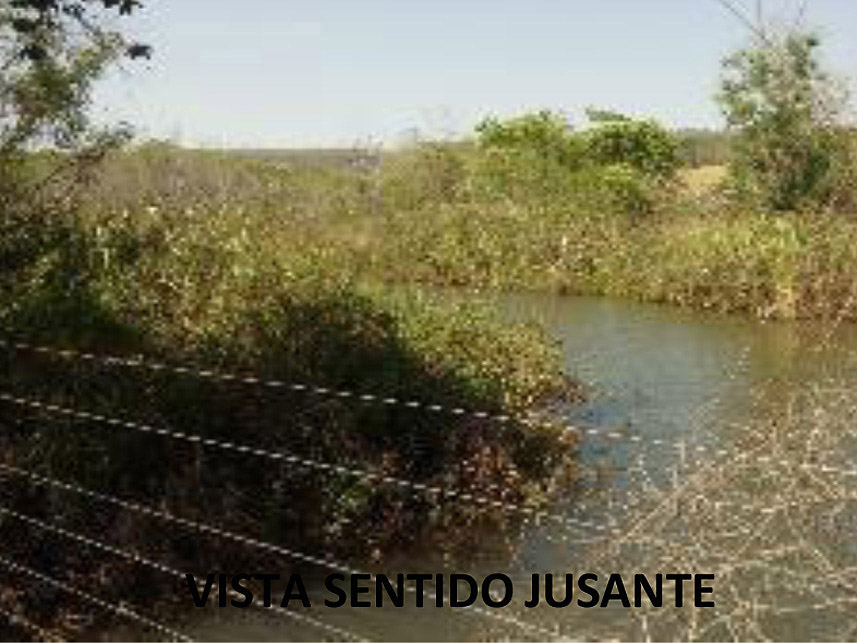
[(23, 623), (323, 562), (362, 476), (312, 389), (118, 610), (147, 562)]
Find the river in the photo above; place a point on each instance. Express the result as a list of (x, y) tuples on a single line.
[(677, 476)]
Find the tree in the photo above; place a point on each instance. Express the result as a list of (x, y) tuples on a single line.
[(36, 23), (51, 53), (544, 135), (784, 110)]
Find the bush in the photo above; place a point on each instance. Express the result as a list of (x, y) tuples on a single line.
[(616, 165), (542, 136), (641, 144), (622, 188), (427, 173)]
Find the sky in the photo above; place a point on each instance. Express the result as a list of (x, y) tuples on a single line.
[(334, 73)]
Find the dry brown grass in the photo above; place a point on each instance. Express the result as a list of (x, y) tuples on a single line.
[(703, 180), (772, 517)]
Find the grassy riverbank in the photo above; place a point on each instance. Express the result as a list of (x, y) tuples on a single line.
[(435, 216), (769, 265)]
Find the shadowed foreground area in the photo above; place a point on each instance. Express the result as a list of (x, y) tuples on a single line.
[(77, 420)]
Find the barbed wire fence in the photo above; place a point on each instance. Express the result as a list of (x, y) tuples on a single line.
[(605, 534), (359, 475)]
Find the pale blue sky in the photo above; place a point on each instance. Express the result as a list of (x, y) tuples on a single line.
[(283, 73)]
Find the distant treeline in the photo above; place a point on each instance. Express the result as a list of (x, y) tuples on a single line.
[(697, 147), (314, 157)]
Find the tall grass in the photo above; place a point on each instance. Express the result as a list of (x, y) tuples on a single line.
[(771, 518), (439, 216), (452, 215)]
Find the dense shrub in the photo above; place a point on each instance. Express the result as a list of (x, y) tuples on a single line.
[(428, 172), (621, 188), (541, 136), (616, 167), (640, 144)]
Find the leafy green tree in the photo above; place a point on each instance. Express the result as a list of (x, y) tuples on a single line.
[(624, 160), (532, 154), (783, 108), (543, 134), (36, 24)]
